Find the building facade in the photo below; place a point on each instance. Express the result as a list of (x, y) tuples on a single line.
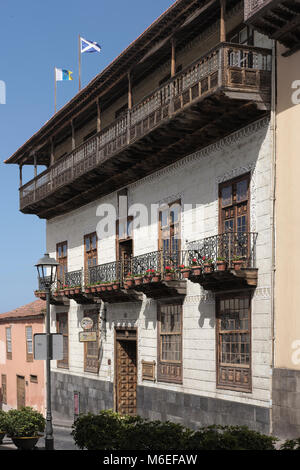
[(22, 378), (159, 170)]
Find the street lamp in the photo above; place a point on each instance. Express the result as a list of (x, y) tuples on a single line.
[(47, 268)]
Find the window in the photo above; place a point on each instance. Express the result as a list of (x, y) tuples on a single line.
[(234, 216), (169, 234), (62, 259), (233, 342), (170, 343), (90, 250), (91, 348), (33, 379), (62, 328), (3, 397), (29, 348), (8, 343)]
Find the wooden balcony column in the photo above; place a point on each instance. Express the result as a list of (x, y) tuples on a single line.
[(222, 21), (73, 135), (20, 171), (98, 115), (51, 151), (173, 57), (35, 164), (129, 90)]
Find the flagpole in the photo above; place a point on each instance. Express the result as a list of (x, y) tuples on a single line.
[(54, 90), (79, 62)]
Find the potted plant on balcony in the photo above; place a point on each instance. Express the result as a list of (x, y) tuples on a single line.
[(138, 279), (3, 425), (40, 294), (148, 275), (115, 284), (237, 263), (156, 276), (169, 273), (196, 267), (221, 264), (129, 281), (185, 271), (25, 426), (208, 264)]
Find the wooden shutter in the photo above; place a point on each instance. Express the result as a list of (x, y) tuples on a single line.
[(29, 346), (8, 343), (62, 328), (62, 259)]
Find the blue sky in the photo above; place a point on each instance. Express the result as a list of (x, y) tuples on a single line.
[(36, 36)]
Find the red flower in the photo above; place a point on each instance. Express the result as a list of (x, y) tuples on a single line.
[(203, 258), (167, 268)]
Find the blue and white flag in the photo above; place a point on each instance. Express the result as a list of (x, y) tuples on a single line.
[(88, 46), (62, 74)]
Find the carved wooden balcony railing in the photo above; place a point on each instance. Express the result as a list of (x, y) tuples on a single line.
[(227, 68), (278, 19)]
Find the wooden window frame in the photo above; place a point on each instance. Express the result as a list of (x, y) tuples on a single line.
[(63, 363), (8, 341), (170, 225), (63, 261), (94, 369), (166, 368), (29, 355), (92, 252), (235, 368), (3, 398)]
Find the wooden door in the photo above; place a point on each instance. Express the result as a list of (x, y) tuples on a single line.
[(126, 377), (20, 391)]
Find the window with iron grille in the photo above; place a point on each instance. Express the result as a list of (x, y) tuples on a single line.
[(62, 328), (91, 348), (170, 343), (8, 343), (29, 346), (234, 342)]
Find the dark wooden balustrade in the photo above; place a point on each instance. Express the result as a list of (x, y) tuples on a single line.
[(214, 96)]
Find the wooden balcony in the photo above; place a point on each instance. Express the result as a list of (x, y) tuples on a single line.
[(216, 95), (278, 19)]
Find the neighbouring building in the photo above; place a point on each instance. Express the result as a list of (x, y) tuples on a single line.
[(166, 161), (22, 381)]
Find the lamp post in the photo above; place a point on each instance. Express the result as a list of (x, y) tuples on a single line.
[(47, 268)]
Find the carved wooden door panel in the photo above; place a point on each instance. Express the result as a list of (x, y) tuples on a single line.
[(126, 377)]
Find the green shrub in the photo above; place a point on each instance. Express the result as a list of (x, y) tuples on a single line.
[(110, 431), (3, 421), (291, 444), (25, 422)]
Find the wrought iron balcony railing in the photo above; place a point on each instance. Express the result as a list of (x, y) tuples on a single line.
[(228, 246), (227, 66)]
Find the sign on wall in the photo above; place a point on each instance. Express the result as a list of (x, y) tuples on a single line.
[(40, 346)]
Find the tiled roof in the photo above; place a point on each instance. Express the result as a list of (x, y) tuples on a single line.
[(35, 308)]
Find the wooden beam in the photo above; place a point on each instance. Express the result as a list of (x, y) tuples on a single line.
[(52, 151), (21, 179), (73, 135), (173, 57), (98, 115), (222, 21)]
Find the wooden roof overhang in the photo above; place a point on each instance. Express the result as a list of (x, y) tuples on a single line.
[(278, 19), (182, 21)]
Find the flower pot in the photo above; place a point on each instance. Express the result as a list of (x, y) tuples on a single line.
[(237, 264), (103, 288), (98, 288), (208, 268), (138, 281), (72, 292), (66, 292), (77, 290), (116, 286), (196, 270), (221, 265), (87, 290), (25, 443), (156, 278), (129, 283), (185, 273), (2, 434), (169, 277), (147, 279), (93, 289), (109, 287)]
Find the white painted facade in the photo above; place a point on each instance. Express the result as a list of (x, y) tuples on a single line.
[(194, 180)]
